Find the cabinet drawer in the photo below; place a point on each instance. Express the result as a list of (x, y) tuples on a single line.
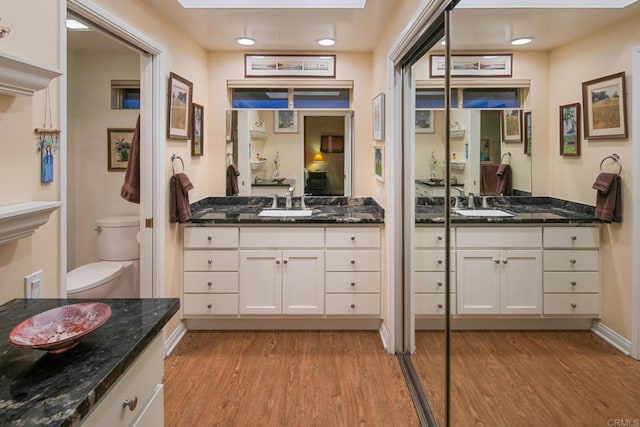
[(353, 304), (281, 237), (433, 304), (571, 237), (211, 237), (584, 304), (570, 282), (139, 380), (202, 282), (499, 237), (431, 237), (352, 282), (210, 304), (353, 237), (211, 260), (432, 281), (360, 260), (153, 414), (570, 260), (432, 260)]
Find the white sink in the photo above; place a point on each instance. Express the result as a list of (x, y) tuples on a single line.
[(285, 212), (482, 212)]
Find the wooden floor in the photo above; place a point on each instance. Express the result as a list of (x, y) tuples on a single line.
[(502, 378), (285, 378)]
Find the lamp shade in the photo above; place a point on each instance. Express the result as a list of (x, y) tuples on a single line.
[(318, 158)]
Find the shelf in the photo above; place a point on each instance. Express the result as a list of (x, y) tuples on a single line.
[(258, 133), (22, 220), (21, 77), (258, 164), (456, 164), (457, 133)]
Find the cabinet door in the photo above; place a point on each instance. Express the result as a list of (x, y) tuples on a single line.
[(478, 282), (303, 282), (521, 282), (261, 282)]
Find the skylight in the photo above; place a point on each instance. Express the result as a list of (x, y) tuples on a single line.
[(272, 4)]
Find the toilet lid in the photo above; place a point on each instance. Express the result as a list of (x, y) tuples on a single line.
[(89, 276)]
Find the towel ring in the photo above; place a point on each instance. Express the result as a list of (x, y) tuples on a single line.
[(173, 159), (615, 158), (508, 155)]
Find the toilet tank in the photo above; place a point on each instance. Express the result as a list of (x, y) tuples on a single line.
[(118, 238)]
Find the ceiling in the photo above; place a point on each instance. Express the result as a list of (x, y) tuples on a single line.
[(358, 30)]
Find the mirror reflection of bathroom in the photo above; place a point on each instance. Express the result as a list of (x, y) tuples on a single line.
[(324, 155), (102, 227)]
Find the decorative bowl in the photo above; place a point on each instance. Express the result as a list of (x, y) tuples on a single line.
[(278, 179), (59, 329)]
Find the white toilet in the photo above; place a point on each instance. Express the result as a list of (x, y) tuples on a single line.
[(116, 274)]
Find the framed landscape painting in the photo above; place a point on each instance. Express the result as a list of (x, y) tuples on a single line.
[(570, 130), (512, 125), (527, 132), (605, 112), (179, 108)]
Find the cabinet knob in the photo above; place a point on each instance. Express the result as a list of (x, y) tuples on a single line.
[(209, 238), (439, 283), (439, 237), (504, 261), (353, 306), (574, 305), (353, 283), (439, 305), (497, 261), (209, 284), (439, 261), (209, 305), (574, 238), (277, 261), (572, 261), (209, 261), (574, 283), (353, 237), (353, 261), (285, 261), (131, 403)]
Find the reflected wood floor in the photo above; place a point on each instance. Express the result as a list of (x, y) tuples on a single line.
[(529, 378), (285, 378)]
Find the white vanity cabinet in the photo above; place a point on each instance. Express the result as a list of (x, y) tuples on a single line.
[(429, 271), (499, 270), (571, 271)]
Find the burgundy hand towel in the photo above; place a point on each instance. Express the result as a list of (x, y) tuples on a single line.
[(232, 180), (489, 180), (608, 197), (179, 209), (130, 190), (505, 185)]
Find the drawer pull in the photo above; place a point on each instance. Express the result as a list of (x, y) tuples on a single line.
[(574, 238), (439, 261), (209, 284), (209, 261), (209, 305), (574, 305), (353, 237), (131, 403), (574, 283), (497, 261), (439, 283), (353, 283), (504, 261), (439, 237), (353, 261), (353, 306), (277, 261), (439, 305), (572, 261), (285, 261), (209, 238)]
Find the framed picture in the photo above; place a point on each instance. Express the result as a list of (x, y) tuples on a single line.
[(512, 125), (378, 163), (378, 117), (118, 148), (605, 112), (47, 147), (570, 130), (527, 132), (289, 65), (332, 144), (197, 140), (425, 122), (285, 121), (472, 65), (179, 108)]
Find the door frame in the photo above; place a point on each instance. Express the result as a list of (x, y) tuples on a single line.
[(635, 254), (153, 87)]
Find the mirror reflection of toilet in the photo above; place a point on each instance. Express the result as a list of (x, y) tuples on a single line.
[(116, 274)]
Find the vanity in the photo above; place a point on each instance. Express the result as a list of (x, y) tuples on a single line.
[(318, 270), (113, 377)]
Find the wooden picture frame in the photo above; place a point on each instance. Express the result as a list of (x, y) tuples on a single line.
[(378, 162), (489, 65), (570, 130), (605, 107), (285, 121), (512, 125), (527, 132), (264, 65), (332, 144), (118, 148), (378, 117), (425, 121), (179, 107), (197, 126)]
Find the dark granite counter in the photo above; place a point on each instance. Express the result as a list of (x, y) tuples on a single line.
[(326, 210), (271, 183), (527, 210), (38, 388)]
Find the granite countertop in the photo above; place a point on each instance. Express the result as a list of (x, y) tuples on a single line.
[(326, 210), (528, 210), (38, 388), (271, 183), (430, 183)]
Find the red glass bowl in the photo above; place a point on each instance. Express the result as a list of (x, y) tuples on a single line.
[(59, 329)]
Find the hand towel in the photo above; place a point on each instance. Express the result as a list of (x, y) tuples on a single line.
[(130, 190), (179, 209), (489, 180), (232, 180), (608, 197), (505, 185)]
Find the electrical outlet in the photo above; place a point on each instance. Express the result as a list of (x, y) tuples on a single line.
[(33, 285)]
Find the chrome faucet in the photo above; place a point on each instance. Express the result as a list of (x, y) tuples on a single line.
[(274, 202), (302, 203), (485, 201), (288, 203), (456, 202), (471, 203), (460, 190)]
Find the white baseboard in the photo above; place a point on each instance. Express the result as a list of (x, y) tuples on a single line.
[(612, 337), (174, 339), (384, 336)]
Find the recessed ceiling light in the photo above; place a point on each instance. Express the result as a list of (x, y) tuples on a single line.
[(245, 41), (72, 24), (326, 42), (521, 41)]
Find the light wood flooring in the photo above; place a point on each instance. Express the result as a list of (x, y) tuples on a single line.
[(530, 378), (285, 378)]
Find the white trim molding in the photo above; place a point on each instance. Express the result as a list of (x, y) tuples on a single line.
[(384, 336), (176, 336), (612, 337), (635, 236)]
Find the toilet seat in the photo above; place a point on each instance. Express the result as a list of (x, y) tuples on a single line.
[(92, 275)]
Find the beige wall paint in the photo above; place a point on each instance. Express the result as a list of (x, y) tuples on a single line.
[(34, 37), (93, 190), (606, 52)]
